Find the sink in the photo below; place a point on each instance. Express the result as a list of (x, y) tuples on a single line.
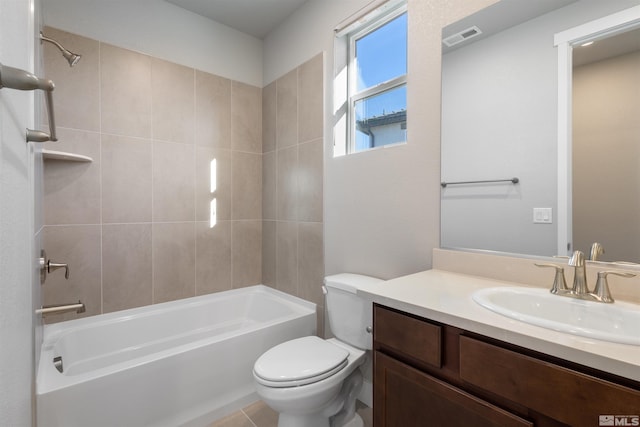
[(618, 322)]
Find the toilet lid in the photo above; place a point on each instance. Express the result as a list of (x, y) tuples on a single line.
[(300, 361)]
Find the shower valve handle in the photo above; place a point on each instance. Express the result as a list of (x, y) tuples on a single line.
[(46, 267), (52, 266)]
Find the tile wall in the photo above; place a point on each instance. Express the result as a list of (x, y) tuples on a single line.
[(134, 224), (292, 183)]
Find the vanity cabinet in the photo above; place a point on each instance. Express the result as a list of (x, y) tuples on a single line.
[(431, 374)]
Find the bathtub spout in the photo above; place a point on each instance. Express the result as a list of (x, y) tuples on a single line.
[(57, 362), (61, 308)]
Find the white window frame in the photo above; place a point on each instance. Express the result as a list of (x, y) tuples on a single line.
[(353, 95)]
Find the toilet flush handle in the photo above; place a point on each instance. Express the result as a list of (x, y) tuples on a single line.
[(369, 329)]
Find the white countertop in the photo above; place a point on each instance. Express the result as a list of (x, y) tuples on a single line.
[(445, 297)]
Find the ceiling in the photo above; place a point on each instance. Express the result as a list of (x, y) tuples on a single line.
[(253, 17), (609, 47)]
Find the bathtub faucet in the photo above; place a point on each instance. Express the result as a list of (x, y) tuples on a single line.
[(47, 310)]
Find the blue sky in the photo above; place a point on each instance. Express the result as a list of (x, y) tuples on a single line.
[(382, 55)]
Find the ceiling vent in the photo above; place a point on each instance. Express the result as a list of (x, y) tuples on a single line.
[(462, 36)]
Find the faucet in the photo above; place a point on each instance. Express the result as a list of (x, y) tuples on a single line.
[(580, 287), (596, 251), (601, 291), (60, 309)]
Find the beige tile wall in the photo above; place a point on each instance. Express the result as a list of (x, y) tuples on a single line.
[(292, 183), (134, 224)]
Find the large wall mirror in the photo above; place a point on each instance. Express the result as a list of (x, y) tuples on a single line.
[(500, 107)]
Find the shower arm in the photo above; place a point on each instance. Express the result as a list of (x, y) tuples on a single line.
[(15, 78)]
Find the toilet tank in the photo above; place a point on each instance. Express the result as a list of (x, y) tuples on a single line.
[(349, 315)]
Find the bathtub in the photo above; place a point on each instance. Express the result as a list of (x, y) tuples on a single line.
[(181, 363)]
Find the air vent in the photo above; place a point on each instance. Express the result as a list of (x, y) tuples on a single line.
[(462, 36)]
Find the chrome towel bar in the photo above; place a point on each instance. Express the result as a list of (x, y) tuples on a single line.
[(513, 180), (15, 78)]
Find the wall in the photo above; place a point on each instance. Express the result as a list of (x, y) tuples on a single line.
[(19, 221), (381, 208), (165, 31), (606, 144), (504, 90), (292, 245), (134, 224)]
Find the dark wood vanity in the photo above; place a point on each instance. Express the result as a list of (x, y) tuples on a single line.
[(431, 374)]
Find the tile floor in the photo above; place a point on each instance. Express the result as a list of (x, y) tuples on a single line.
[(259, 414)]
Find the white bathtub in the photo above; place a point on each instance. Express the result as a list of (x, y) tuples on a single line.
[(182, 363)]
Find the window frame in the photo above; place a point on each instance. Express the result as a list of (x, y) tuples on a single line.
[(352, 95)]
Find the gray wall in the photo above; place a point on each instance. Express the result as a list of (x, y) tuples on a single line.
[(292, 245), (134, 224), (381, 208), (503, 90)]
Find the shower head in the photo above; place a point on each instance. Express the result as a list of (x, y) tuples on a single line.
[(72, 58)]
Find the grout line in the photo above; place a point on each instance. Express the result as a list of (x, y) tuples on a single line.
[(277, 174), (195, 190), (249, 418), (231, 210), (153, 168), (101, 170)]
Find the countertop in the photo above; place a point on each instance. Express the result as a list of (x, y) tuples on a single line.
[(445, 297)]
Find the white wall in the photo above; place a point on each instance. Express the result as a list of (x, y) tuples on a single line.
[(17, 319), (382, 206), (163, 30), (504, 90)]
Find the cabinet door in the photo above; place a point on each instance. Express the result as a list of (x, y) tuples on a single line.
[(406, 397), (562, 394)]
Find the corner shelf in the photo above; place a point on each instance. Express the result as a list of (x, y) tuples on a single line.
[(64, 156)]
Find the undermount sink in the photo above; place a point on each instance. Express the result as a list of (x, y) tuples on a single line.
[(618, 322)]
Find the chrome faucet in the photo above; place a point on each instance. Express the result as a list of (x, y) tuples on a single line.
[(580, 288), (596, 251)]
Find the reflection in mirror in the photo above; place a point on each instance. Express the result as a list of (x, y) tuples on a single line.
[(499, 120), (606, 146)]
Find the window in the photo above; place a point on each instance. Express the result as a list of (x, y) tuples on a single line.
[(377, 81)]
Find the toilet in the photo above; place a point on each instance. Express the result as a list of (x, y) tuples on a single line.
[(312, 382)]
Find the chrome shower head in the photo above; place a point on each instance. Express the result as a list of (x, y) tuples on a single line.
[(72, 58)]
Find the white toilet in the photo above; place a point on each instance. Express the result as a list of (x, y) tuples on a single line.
[(313, 382)]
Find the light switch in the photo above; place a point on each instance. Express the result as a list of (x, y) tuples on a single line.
[(542, 215)]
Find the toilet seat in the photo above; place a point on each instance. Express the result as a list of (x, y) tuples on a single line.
[(299, 362)]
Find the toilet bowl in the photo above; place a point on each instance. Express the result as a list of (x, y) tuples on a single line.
[(312, 382)]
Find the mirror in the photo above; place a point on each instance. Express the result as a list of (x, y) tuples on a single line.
[(500, 108)]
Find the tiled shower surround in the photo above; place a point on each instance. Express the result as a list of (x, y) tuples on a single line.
[(172, 148)]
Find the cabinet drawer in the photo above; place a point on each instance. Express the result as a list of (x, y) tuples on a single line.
[(407, 335), (566, 395), (406, 397)]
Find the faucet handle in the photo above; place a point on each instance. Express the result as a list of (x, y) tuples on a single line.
[(601, 292), (577, 259), (596, 250), (46, 267), (52, 266), (559, 284)]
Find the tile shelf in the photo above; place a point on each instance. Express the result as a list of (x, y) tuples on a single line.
[(62, 155)]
